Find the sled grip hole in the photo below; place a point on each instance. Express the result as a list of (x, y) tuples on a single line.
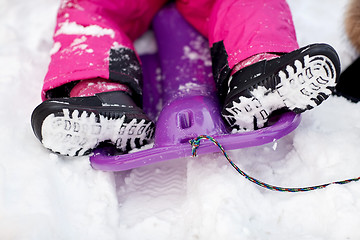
[(185, 119)]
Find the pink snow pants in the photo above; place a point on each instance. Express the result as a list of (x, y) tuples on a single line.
[(94, 38)]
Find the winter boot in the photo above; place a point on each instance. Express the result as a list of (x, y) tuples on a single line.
[(75, 125), (349, 84), (296, 81)]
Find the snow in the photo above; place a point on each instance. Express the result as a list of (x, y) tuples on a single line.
[(201, 53), (46, 196), (71, 28)]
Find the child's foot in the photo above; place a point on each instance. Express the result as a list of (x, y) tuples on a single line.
[(296, 81), (76, 125)]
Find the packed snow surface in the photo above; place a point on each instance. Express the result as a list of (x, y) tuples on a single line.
[(45, 196)]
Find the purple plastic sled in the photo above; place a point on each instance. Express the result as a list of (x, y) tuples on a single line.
[(179, 78)]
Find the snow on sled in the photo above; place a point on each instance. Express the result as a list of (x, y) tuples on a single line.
[(186, 90)]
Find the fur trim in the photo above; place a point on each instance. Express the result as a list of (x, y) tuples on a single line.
[(352, 23)]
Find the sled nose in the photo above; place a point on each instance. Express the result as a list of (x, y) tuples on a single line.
[(183, 119), (189, 93)]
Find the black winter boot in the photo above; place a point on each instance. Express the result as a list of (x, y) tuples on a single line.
[(296, 81), (75, 126), (349, 84)]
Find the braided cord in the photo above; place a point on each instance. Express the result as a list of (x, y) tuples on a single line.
[(195, 143)]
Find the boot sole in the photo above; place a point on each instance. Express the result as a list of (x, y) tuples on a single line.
[(300, 85), (76, 132)]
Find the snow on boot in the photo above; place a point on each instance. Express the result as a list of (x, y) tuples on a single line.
[(296, 81), (76, 125)]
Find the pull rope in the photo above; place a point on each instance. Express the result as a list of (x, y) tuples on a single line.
[(195, 143)]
